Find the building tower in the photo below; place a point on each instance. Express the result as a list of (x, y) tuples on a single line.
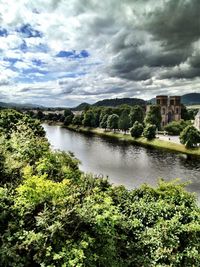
[(170, 108), (174, 112), (162, 101)]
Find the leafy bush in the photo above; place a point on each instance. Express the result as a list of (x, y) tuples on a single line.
[(51, 214), (176, 127), (150, 131), (190, 136), (136, 130)]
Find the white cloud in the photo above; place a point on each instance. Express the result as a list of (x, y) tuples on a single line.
[(130, 55)]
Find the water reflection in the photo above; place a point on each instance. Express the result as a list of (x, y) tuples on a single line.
[(123, 163)]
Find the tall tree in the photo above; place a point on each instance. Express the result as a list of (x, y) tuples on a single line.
[(136, 114), (89, 119), (190, 136), (103, 123), (154, 116), (113, 121), (124, 121)]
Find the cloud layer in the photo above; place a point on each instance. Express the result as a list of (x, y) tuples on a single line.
[(64, 52)]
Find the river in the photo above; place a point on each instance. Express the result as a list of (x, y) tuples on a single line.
[(124, 163)]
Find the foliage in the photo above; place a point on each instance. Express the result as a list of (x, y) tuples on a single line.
[(103, 123), (77, 120), (67, 112), (190, 136), (113, 121), (153, 116), (150, 131), (89, 119), (124, 121), (52, 214), (136, 114), (68, 119), (136, 130), (176, 127)]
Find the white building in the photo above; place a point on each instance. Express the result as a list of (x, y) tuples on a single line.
[(197, 121)]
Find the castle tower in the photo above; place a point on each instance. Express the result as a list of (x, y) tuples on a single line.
[(174, 113), (162, 101)]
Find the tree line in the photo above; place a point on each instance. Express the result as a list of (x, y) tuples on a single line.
[(52, 214), (128, 118)]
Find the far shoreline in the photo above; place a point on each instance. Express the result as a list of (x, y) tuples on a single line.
[(154, 143)]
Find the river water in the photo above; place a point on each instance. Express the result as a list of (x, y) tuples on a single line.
[(123, 163)]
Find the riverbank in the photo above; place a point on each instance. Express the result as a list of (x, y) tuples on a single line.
[(155, 143)]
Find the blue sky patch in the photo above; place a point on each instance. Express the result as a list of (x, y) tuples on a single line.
[(23, 47), (73, 54), (27, 31), (3, 32), (11, 60)]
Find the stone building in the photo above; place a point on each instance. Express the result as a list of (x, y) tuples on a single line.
[(170, 108), (197, 121)]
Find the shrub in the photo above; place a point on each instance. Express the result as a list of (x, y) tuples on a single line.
[(136, 130), (190, 136), (150, 131)]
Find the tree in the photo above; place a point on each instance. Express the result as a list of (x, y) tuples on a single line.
[(136, 130), (103, 123), (40, 115), (190, 136), (77, 120), (176, 127), (136, 114), (150, 131), (113, 121), (67, 112), (89, 119), (154, 116), (124, 121), (68, 119)]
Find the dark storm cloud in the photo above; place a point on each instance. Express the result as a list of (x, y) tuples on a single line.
[(163, 38), (175, 23)]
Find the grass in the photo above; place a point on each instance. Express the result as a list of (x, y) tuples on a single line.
[(156, 143)]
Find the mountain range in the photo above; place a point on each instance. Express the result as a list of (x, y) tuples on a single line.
[(187, 99)]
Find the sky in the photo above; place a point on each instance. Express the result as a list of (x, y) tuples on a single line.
[(65, 52)]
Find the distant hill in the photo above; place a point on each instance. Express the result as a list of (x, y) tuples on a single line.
[(17, 105), (82, 106), (119, 101), (191, 99), (113, 103)]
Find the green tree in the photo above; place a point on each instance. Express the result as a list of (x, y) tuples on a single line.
[(103, 123), (190, 136), (150, 131), (124, 121), (136, 130), (176, 127), (77, 120), (68, 119), (67, 112), (136, 114), (89, 119), (112, 122), (153, 116)]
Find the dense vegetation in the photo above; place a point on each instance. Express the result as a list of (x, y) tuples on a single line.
[(52, 214), (123, 118)]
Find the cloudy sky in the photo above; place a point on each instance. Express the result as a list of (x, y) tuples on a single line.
[(64, 52)]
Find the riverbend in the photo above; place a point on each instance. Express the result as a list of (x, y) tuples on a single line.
[(124, 163)]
